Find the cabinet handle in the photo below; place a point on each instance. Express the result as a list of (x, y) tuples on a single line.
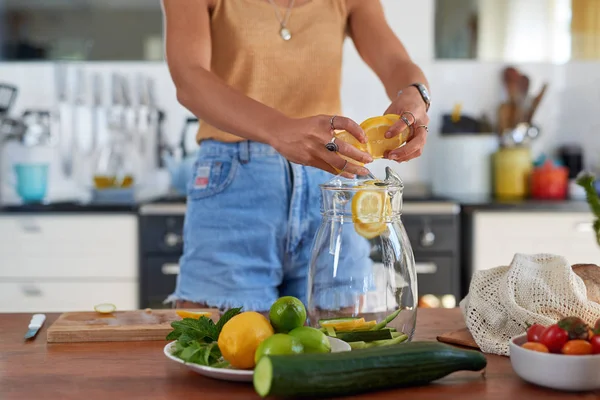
[(32, 291), (426, 268), (584, 227), (170, 269)]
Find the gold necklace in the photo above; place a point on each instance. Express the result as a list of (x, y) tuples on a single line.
[(284, 32)]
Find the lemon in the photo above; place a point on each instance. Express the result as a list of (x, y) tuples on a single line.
[(241, 336), (313, 340), (105, 308), (279, 343), (192, 314), (377, 144), (287, 313), (370, 230), (368, 206)]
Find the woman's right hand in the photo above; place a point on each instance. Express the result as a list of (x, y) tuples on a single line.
[(302, 141)]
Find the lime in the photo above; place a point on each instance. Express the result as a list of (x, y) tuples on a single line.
[(279, 343), (287, 313), (313, 340)]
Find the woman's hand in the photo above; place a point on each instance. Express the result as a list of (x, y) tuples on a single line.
[(411, 106), (302, 141)]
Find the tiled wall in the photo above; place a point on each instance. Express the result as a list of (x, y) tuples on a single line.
[(570, 111)]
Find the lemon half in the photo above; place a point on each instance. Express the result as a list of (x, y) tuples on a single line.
[(377, 144)]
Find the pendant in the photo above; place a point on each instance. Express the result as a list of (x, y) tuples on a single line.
[(285, 34)]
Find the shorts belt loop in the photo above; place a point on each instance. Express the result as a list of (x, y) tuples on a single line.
[(244, 148)]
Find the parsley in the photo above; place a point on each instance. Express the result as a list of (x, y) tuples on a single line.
[(197, 339)]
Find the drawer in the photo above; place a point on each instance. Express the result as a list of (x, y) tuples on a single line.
[(68, 246), (159, 278), (34, 296), (436, 233), (437, 276)]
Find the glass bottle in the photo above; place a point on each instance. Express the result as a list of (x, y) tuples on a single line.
[(343, 280)]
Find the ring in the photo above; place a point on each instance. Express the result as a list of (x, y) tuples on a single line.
[(331, 122), (332, 146), (345, 165), (424, 126), (403, 118)]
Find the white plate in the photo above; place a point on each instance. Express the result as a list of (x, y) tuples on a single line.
[(239, 375)]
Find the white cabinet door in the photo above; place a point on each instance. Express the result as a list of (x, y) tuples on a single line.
[(34, 296), (499, 235), (67, 246)]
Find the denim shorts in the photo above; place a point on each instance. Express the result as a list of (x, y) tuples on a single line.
[(249, 228)]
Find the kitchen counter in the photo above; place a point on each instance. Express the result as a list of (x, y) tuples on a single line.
[(139, 370), (69, 208), (472, 205)]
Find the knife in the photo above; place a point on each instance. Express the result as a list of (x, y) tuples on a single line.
[(34, 325)]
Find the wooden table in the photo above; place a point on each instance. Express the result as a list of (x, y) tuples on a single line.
[(139, 370)]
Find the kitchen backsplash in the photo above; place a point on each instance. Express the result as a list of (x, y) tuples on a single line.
[(569, 112)]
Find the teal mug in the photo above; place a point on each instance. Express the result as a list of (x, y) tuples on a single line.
[(32, 182)]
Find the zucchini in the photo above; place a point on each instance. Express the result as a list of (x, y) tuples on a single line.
[(365, 336), (354, 372)]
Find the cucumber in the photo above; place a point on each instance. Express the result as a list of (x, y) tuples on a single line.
[(365, 336), (354, 372)]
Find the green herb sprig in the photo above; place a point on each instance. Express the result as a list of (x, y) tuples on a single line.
[(586, 181), (197, 339)]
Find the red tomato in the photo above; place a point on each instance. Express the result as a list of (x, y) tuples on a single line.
[(595, 341), (534, 332), (554, 338), (577, 347)]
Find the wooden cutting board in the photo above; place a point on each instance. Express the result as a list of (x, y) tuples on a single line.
[(461, 337), (120, 326)]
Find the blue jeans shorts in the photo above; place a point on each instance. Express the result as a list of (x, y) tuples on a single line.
[(249, 227)]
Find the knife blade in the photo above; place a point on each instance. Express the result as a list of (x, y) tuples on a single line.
[(37, 320)]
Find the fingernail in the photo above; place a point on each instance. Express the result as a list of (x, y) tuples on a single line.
[(388, 134), (364, 171), (368, 159)]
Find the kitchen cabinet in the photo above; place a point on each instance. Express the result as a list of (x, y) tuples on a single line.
[(498, 235), (71, 261)]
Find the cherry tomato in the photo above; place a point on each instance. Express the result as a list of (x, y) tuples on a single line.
[(575, 327), (597, 328), (595, 342), (577, 347), (554, 338), (534, 332), (536, 347)]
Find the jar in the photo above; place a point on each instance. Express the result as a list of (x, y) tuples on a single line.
[(343, 281), (512, 171)]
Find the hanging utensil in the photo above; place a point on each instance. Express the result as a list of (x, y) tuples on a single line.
[(8, 94)]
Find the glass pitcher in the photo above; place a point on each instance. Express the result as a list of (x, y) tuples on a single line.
[(343, 281)]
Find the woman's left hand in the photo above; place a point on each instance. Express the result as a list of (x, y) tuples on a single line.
[(409, 104)]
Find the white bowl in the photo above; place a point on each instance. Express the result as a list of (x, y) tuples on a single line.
[(555, 371)]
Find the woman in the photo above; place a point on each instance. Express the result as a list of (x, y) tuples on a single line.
[(264, 77)]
